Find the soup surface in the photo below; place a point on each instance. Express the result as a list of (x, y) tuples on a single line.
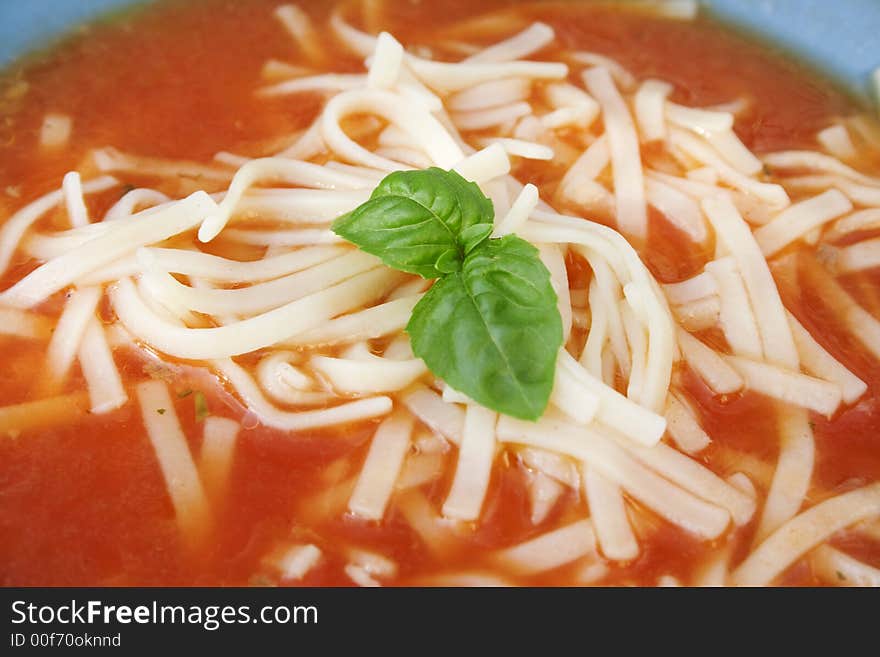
[(87, 495)]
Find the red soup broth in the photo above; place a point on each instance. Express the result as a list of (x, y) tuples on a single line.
[(85, 503)]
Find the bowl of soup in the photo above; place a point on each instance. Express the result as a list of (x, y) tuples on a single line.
[(428, 294)]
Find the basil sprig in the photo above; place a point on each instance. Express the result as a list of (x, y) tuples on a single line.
[(489, 326)]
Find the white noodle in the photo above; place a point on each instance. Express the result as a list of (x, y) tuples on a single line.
[(818, 362), (371, 175), (544, 493), (797, 220), (528, 150), (697, 479), (859, 256), (122, 238), (721, 378), (741, 482), (527, 42), (553, 257), (868, 195), (493, 116), (387, 60), (552, 464), (587, 167), (608, 514), (429, 407), (562, 95), (474, 467), (493, 93), (769, 312), (23, 324), (447, 77), (788, 386), (703, 122), (275, 69), (520, 210), (283, 238), (297, 560), (111, 159), (291, 172), (299, 205), (715, 570), (231, 159), (125, 206), (840, 569), (673, 503), (621, 76), (812, 161), (788, 543), (772, 194), (77, 212), (249, 334), (376, 374), (374, 322), (405, 157), (683, 427), (372, 563), (864, 326), (417, 122), (691, 289), (698, 315), (383, 463), (47, 247), (299, 26), (860, 220), (286, 383), (612, 245), (591, 357), (358, 42), (729, 146), (836, 141), (420, 469), (650, 103), (623, 144), (637, 339), (794, 470), (682, 211), (55, 131), (16, 226), (76, 316), (430, 527), (413, 90), (104, 383), (550, 550), (484, 165), (260, 297), (736, 315), (683, 10), (394, 136), (579, 116), (223, 270), (689, 185), (706, 175), (218, 450), (615, 410), (270, 416), (175, 461)]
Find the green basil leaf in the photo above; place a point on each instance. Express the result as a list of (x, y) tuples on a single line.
[(492, 330), (413, 218), (472, 236), (448, 262)]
